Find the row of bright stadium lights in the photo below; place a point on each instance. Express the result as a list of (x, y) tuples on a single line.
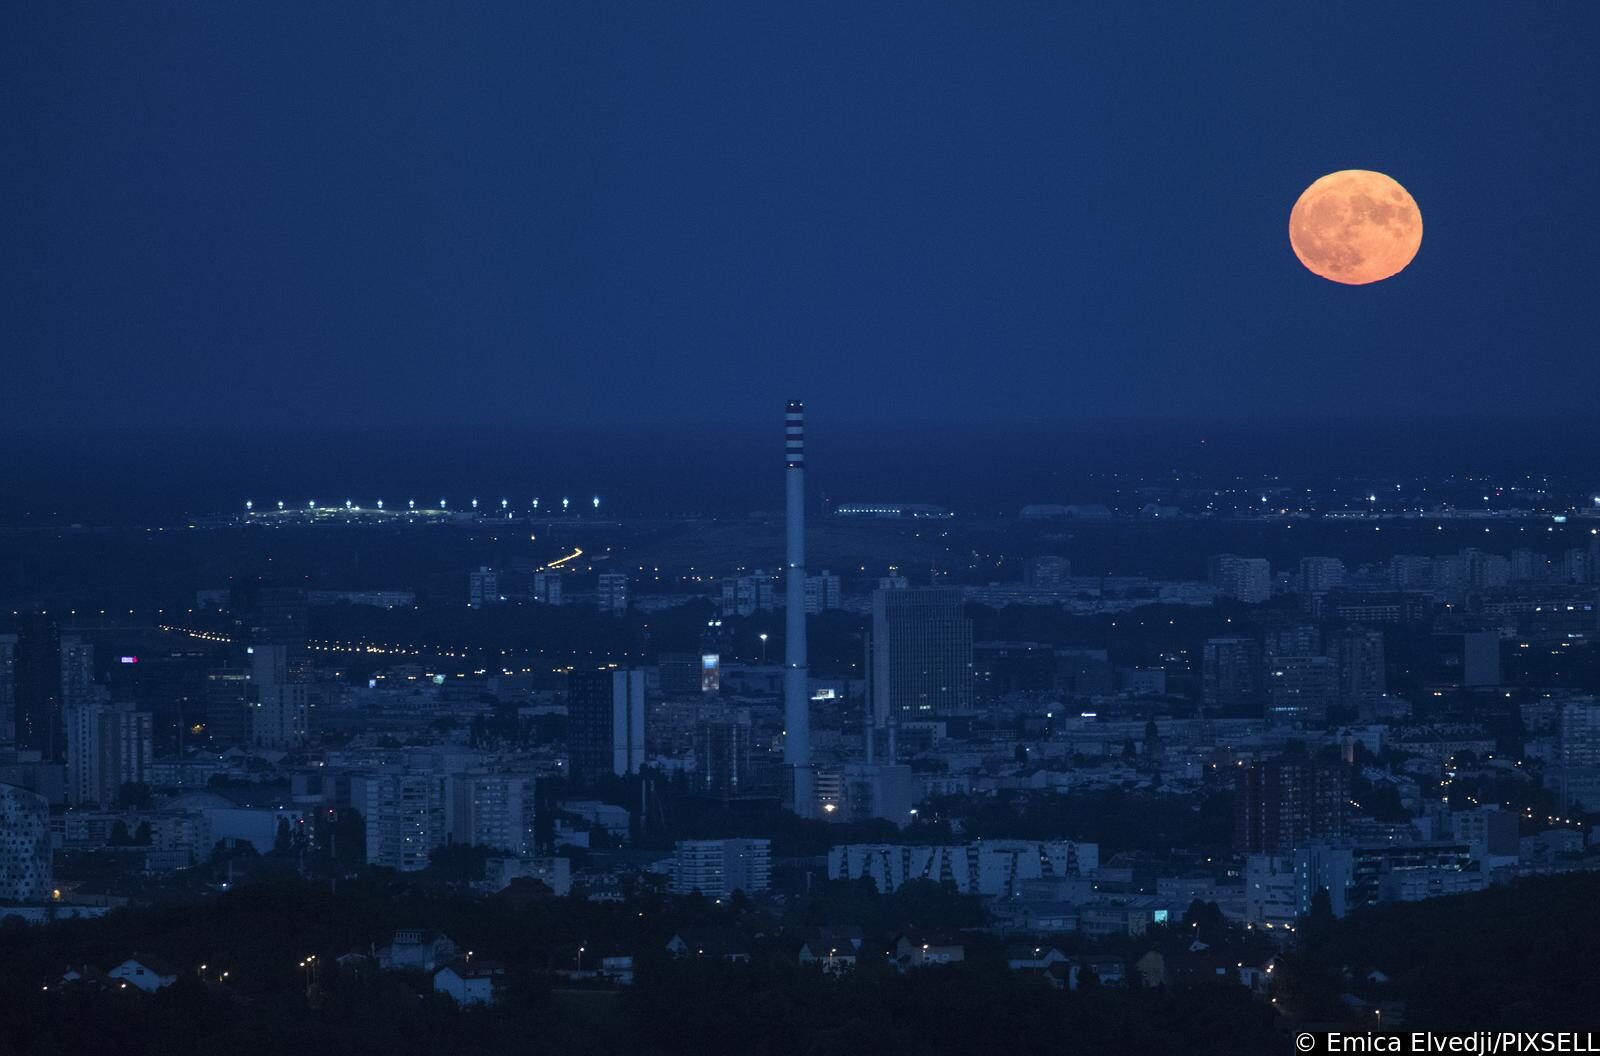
[(311, 504)]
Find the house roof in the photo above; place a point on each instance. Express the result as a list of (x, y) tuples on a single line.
[(150, 963), (838, 934), (87, 975), (1205, 965), (477, 968), (919, 938), (423, 937), (710, 943)]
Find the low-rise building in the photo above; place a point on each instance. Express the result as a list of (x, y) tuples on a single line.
[(470, 982)]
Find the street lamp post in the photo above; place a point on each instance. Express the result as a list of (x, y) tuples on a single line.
[(763, 648)]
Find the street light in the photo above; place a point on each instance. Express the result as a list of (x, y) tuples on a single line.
[(763, 637)]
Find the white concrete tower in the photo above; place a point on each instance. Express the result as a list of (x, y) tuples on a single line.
[(797, 703)]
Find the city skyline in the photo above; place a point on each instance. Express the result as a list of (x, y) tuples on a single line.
[(1174, 625)]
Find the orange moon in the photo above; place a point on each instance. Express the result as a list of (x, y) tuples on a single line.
[(1355, 227)]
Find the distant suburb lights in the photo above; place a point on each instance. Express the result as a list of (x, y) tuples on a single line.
[(411, 509)]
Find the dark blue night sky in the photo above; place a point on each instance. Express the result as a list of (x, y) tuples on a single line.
[(264, 215)]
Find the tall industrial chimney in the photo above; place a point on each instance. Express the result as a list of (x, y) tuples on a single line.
[(796, 694)]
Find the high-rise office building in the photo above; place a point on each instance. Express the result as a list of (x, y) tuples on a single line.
[(77, 671), (1230, 673), (612, 592), (749, 594), (822, 593), (1002, 668), (37, 706), (405, 817), (1281, 804), (483, 587), (1578, 733), (1300, 688), (718, 868), (1529, 566), (547, 588), (108, 746), (493, 810), (277, 615), (679, 673), (919, 655), (1575, 566), (722, 756), (1084, 672), (1047, 572), (280, 715), (1302, 639), (228, 707), (1241, 578), (1320, 574), (1363, 676), (1576, 773), (1468, 659), (605, 722)]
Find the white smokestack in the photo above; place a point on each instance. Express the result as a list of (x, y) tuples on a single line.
[(796, 695)]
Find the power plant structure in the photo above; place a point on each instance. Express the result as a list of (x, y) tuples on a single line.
[(801, 797)]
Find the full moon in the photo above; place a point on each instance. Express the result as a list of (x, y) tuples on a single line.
[(1355, 227)]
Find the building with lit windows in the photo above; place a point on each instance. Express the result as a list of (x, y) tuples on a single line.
[(605, 722), (718, 868), (612, 592), (493, 810), (1241, 578), (919, 655), (108, 746), (822, 593), (1285, 803), (405, 815)]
